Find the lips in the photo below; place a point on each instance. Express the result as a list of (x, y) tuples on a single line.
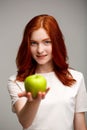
[(41, 56)]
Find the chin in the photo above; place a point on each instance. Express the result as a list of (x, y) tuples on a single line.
[(42, 63)]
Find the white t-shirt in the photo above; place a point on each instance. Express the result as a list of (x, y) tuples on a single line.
[(56, 111)]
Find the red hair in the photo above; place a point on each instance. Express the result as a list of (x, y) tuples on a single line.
[(26, 64)]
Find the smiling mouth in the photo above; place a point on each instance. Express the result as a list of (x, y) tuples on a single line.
[(41, 56)]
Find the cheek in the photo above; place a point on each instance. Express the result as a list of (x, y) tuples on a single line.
[(49, 50), (32, 51)]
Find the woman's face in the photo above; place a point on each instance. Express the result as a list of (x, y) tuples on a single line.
[(41, 47)]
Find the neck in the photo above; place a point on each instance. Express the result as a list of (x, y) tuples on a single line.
[(44, 69)]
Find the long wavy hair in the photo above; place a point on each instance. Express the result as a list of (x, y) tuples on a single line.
[(26, 65)]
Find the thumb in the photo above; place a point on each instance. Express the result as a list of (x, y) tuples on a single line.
[(23, 94)]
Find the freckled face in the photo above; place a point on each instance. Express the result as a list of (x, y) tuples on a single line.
[(41, 47)]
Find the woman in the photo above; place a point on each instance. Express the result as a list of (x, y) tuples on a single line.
[(43, 51)]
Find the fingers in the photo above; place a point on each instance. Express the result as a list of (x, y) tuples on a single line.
[(29, 96), (23, 94), (47, 90), (41, 95), (26, 94)]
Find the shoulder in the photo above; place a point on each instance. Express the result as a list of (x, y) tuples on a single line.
[(15, 85), (12, 78), (11, 81), (75, 73)]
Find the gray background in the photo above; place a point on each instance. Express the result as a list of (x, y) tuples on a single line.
[(14, 14)]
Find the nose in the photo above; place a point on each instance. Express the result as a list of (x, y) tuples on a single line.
[(40, 48)]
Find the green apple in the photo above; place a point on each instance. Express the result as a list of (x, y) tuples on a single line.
[(35, 83)]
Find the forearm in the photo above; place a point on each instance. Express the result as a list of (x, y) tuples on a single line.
[(79, 121), (27, 109), (27, 113)]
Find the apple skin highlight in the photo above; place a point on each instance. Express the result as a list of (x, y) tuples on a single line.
[(35, 83)]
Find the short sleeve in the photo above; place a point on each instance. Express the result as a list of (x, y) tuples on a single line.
[(13, 88), (81, 98)]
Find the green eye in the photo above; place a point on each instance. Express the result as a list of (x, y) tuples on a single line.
[(47, 42), (33, 43)]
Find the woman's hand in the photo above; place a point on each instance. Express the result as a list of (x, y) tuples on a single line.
[(41, 95), (26, 110)]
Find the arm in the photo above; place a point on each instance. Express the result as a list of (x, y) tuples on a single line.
[(79, 121), (26, 110)]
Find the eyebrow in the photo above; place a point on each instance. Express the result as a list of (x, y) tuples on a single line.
[(42, 40), (47, 39)]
